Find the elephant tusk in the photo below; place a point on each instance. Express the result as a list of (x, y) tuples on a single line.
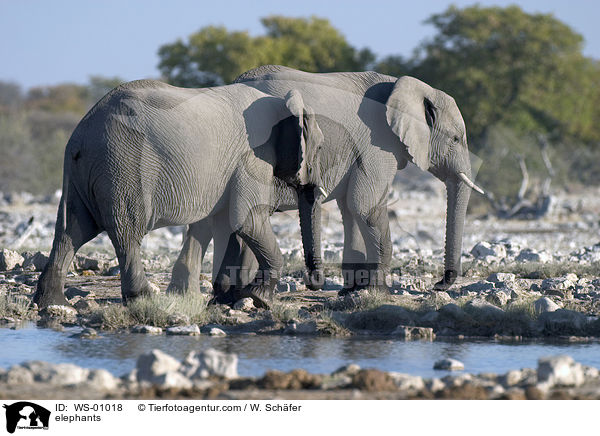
[(470, 184), (322, 190)]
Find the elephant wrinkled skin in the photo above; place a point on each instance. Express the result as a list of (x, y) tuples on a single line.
[(149, 155)]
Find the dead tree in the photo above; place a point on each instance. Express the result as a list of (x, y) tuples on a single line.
[(522, 207)]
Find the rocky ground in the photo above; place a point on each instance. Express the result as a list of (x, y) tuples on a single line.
[(522, 279), (212, 374)]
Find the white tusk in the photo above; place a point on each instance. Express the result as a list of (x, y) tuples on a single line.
[(323, 191), (470, 184)]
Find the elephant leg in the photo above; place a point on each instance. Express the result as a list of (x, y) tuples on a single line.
[(375, 228), (309, 208), (257, 233), (226, 265), (354, 254), (187, 268), (81, 228), (133, 278)]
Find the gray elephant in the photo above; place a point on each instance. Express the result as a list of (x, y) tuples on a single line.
[(373, 125), (149, 155)]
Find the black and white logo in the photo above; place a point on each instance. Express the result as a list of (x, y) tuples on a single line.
[(26, 415)]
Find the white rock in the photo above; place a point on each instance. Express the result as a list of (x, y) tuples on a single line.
[(530, 255), (488, 251), (407, 382), (210, 362), (560, 370), (155, 363), (148, 329), (187, 330), (9, 259), (173, 379), (63, 313), (435, 385), (544, 304), (17, 375), (103, 380), (449, 365), (215, 331), (501, 277)]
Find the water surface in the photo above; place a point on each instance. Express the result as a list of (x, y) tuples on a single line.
[(117, 352)]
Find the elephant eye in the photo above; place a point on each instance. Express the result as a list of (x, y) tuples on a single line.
[(456, 139)]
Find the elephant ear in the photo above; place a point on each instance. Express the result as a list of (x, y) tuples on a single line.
[(411, 115), (309, 139)]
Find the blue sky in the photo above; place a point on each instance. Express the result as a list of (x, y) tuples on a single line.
[(47, 42)]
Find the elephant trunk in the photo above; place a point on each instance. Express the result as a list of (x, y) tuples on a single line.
[(309, 208), (458, 194)]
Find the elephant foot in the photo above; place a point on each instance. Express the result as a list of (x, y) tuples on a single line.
[(49, 299), (147, 290), (50, 291), (182, 288), (262, 295), (314, 280), (227, 298), (449, 278)]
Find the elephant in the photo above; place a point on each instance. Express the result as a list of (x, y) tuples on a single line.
[(373, 125), (149, 155)]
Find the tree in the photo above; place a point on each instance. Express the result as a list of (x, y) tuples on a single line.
[(214, 56), (504, 66)]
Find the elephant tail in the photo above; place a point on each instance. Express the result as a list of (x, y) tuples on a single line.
[(65, 193)]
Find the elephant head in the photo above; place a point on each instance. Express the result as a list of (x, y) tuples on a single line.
[(429, 124), (300, 169)]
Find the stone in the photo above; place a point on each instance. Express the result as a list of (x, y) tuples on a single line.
[(351, 368), (35, 261), (531, 255), (83, 262), (301, 328), (484, 309), (75, 292), (147, 329), (560, 371), (155, 363), (478, 287), (453, 310), (188, 330), (88, 333), (295, 379), (429, 317), (85, 305), (373, 380), (563, 321), (408, 332), (498, 297), (500, 277), (449, 365), (245, 304), (61, 313), (210, 362), (61, 374), (178, 319), (10, 259), (102, 380), (173, 379), (17, 375), (406, 382), (590, 373), (485, 250), (562, 287), (333, 283), (544, 304), (215, 331), (435, 385), (287, 284), (512, 378)]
